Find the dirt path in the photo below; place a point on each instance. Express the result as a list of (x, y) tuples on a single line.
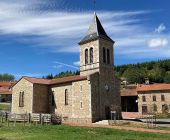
[(121, 128)]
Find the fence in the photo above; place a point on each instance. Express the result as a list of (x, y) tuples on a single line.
[(35, 118)]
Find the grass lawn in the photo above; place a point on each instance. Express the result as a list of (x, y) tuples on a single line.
[(5, 107), (61, 132)]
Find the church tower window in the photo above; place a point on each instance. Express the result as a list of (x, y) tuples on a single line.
[(104, 55), (86, 56), (108, 56), (91, 55)]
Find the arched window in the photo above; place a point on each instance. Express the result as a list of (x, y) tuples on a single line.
[(108, 56), (86, 56), (66, 96), (91, 55), (104, 55), (21, 99)]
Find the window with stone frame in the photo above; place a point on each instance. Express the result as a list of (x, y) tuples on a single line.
[(108, 56), (162, 98), (66, 96), (165, 108), (21, 99), (155, 108), (143, 98), (154, 98), (86, 56), (144, 109), (104, 55), (91, 55)]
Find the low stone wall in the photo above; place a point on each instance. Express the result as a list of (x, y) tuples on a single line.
[(127, 123)]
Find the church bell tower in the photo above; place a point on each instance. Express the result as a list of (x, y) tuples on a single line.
[(96, 50)]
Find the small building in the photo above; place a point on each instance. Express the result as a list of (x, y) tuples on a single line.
[(129, 98), (86, 98), (154, 98), (5, 91)]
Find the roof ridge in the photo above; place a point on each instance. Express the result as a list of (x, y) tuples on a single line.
[(54, 81)]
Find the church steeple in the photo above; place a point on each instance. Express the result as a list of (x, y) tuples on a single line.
[(95, 31), (96, 50)]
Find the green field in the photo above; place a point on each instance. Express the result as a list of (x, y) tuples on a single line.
[(61, 132), (5, 107)]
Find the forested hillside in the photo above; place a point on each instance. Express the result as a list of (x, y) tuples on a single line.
[(7, 77), (156, 71), (61, 74)]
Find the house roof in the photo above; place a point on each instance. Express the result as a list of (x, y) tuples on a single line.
[(95, 31), (55, 81), (68, 79), (2, 84), (5, 87), (153, 87), (5, 90), (128, 92), (37, 80)]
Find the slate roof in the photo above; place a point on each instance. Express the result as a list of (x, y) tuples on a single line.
[(95, 31)]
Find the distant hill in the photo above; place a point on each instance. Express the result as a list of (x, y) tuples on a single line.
[(155, 71), (61, 74)]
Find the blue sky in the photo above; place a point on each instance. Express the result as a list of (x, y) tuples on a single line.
[(38, 37)]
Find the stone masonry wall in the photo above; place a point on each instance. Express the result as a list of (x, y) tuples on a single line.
[(26, 87), (59, 98), (40, 99), (79, 101), (111, 97), (149, 100), (89, 68)]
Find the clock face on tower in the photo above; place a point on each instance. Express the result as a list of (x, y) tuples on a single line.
[(106, 87)]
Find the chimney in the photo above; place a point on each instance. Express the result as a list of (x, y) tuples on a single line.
[(146, 81)]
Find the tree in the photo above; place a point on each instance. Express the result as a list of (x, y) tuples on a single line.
[(135, 75), (7, 77), (62, 74), (167, 77), (156, 71), (50, 76)]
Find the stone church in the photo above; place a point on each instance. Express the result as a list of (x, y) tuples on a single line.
[(86, 98)]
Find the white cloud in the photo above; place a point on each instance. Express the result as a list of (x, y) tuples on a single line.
[(160, 28), (57, 66), (60, 31), (66, 65), (77, 63), (158, 42)]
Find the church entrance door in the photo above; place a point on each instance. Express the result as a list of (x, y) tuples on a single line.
[(107, 113)]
